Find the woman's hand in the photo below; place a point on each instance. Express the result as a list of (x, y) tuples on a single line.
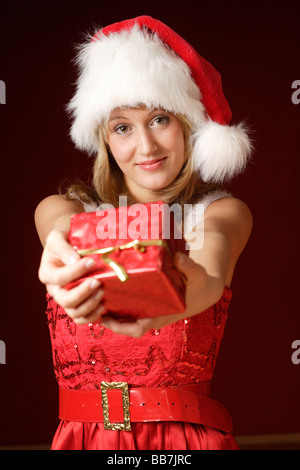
[(60, 264), (195, 275)]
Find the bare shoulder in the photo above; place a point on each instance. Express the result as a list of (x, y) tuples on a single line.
[(59, 201), (232, 217), (229, 207), (50, 210)]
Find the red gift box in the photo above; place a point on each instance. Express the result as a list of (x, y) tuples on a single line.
[(133, 248)]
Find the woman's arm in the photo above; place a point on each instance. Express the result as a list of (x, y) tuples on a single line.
[(60, 264), (227, 227)]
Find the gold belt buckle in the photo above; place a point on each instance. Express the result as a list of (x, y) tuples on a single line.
[(123, 386)]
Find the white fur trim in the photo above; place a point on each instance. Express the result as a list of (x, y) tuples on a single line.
[(127, 69), (220, 152)]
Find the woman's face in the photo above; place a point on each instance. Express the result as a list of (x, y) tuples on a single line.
[(148, 146)]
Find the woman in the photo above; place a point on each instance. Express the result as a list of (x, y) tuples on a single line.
[(155, 113)]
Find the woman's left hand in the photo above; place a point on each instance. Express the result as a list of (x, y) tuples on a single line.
[(193, 272)]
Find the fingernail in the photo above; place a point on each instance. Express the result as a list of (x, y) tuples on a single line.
[(95, 283), (99, 294), (90, 262), (100, 311)]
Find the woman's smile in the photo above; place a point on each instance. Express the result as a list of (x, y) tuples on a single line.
[(152, 165)]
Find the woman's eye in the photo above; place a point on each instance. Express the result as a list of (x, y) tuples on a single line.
[(122, 129), (161, 120)]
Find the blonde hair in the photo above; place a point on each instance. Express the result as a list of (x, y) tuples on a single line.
[(108, 179)]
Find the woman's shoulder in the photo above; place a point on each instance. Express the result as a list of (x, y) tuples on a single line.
[(59, 202), (194, 213), (232, 210)]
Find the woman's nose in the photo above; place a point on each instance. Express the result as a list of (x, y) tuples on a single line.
[(147, 144)]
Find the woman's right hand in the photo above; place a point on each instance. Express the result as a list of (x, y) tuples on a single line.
[(60, 264)]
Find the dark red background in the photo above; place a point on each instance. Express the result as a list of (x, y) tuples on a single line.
[(256, 49)]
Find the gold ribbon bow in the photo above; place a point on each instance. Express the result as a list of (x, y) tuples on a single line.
[(120, 271)]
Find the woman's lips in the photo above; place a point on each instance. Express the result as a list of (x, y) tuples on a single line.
[(152, 165)]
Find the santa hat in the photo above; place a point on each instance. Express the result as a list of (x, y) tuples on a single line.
[(143, 61)]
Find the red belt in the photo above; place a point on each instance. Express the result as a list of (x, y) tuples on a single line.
[(117, 406)]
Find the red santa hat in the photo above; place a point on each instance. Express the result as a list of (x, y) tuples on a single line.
[(143, 61)]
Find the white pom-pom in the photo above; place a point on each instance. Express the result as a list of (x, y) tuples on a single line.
[(220, 152)]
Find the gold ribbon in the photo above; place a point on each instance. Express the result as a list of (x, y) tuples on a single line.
[(120, 271)]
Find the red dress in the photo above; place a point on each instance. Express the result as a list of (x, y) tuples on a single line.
[(182, 353)]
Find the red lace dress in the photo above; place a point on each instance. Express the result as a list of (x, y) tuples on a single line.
[(182, 353)]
